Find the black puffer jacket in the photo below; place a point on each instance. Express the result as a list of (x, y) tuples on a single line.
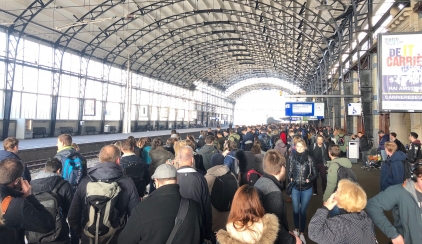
[(301, 167)]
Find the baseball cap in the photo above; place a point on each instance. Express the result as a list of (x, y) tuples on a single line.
[(165, 171)]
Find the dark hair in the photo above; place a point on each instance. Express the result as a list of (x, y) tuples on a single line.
[(334, 150), (360, 132), (209, 139), (418, 170), (414, 134), (393, 134), (173, 132), (381, 132), (231, 145), (52, 165), (157, 142), (10, 170)]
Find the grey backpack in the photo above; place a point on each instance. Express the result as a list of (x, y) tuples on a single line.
[(103, 217)]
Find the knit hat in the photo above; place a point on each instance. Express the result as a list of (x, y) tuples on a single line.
[(217, 159)]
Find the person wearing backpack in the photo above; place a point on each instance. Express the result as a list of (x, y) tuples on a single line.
[(225, 185), (74, 164), (194, 186), (230, 157), (106, 191), (207, 151), (415, 148), (7, 234), (49, 186), (233, 136), (134, 167), (269, 189), (153, 220), (342, 141), (301, 170), (392, 170), (265, 140), (247, 136), (21, 210), (400, 146), (336, 162)]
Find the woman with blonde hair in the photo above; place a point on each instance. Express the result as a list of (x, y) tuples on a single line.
[(247, 222), (351, 226)]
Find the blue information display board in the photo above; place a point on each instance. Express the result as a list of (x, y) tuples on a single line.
[(299, 109)]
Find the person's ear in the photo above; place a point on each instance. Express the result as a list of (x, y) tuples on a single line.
[(59, 171), (118, 161)]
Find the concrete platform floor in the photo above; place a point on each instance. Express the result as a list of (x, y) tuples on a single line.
[(370, 181)]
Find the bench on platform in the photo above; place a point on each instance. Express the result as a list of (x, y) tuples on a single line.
[(113, 129), (90, 129), (39, 131), (66, 130)]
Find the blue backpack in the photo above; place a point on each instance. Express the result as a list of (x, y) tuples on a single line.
[(73, 169)]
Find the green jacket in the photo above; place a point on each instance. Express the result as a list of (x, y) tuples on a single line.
[(332, 175), (407, 214), (346, 142), (234, 136)]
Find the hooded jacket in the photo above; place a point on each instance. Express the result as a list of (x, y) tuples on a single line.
[(281, 147), (25, 214), (332, 175), (414, 151), (146, 225), (300, 168), (128, 197), (8, 235), (363, 143), (219, 219), (407, 214), (6, 154), (207, 151), (268, 235), (323, 149), (64, 153), (158, 156), (342, 228), (392, 170), (385, 138), (269, 189)]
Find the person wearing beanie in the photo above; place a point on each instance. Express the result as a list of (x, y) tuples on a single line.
[(222, 172)]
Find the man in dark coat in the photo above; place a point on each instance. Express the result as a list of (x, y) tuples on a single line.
[(11, 148), (269, 189), (364, 148), (22, 211), (207, 151), (107, 169), (194, 186), (415, 148), (147, 225), (400, 146)]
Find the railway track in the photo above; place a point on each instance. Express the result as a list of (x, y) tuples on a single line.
[(38, 164)]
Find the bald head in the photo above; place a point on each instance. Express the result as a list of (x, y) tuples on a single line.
[(185, 156), (109, 154)]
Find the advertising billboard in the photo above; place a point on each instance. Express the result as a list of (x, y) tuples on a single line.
[(400, 72)]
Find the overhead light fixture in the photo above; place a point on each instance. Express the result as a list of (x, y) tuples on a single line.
[(83, 22), (324, 6)]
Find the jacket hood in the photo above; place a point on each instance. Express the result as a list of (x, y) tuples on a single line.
[(345, 162), (45, 182), (235, 135), (409, 186), (105, 171), (398, 156), (6, 154), (7, 191), (66, 151), (417, 142), (268, 235), (218, 170)]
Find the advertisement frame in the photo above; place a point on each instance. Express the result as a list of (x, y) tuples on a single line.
[(380, 73)]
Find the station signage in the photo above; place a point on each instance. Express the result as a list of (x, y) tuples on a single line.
[(400, 62), (304, 109)]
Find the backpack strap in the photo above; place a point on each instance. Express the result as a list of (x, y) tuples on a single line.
[(181, 215), (5, 204), (58, 186)]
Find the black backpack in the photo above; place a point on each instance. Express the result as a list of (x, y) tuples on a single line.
[(252, 176), (345, 173), (223, 191), (52, 202), (341, 140), (136, 171), (265, 142)]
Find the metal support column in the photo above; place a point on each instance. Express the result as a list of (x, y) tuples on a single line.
[(82, 87), (57, 73)]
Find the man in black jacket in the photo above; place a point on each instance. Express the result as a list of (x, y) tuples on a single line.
[(400, 146), (364, 148), (22, 211), (318, 150), (153, 219), (269, 189), (46, 181), (194, 186), (11, 148), (415, 148), (107, 169)]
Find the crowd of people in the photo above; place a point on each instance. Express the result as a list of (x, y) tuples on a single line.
[(223, 187)]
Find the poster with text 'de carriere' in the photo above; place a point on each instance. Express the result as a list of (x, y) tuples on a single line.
[(400, 72)]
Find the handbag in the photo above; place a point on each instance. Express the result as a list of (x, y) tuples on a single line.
[(289, 188)]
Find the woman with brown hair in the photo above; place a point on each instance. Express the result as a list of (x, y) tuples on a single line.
[(247, 222)]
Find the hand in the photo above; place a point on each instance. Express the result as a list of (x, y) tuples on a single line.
[(225, 153), (298, 241), (398, 240), (331, 202), (26, 188)]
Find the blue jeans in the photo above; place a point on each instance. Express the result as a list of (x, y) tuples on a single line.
[(300, 201), (383, 155)]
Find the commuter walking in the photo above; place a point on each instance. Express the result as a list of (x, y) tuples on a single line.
[(414, 153), (392, 170), (247, 221), (364, 148), (400, 146), (383, 139), (352, 226), (302, 171), (319, 153)]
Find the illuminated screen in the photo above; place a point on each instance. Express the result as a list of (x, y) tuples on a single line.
[(301, 108)]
